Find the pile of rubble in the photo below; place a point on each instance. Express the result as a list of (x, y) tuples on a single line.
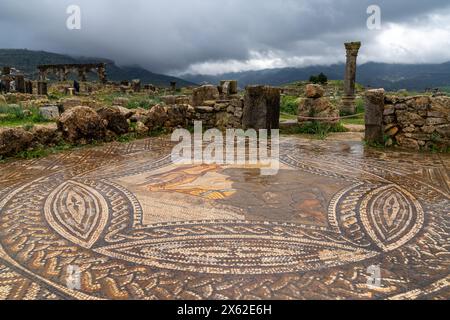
[(315, 105)]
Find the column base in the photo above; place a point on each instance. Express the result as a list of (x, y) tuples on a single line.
[(348, 105)]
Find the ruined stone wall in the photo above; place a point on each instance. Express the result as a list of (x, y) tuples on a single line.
[(221, 114), (420, 122)]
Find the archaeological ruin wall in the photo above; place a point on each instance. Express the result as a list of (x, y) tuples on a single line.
[(419, 122)]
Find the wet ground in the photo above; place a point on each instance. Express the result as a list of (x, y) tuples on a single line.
[(121, 221)]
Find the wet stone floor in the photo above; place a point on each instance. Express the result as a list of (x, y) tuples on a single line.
[(120, 221)]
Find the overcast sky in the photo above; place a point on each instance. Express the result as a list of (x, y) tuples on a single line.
[(215, 36)]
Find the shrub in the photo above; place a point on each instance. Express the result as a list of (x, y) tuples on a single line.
[(289, 105)]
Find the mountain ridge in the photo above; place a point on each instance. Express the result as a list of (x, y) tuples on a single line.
[(27, 61), (371, 74)]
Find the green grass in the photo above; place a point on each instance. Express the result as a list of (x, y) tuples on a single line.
[(143, 102), (289, 105), (127, 137), (318, 130), (12, 116), (42, 151), (356, 121), (135, 101), (285, 116), (360, 109)]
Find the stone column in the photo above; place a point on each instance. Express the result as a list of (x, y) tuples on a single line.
[(6, 84), (101, 71), (29, 87), (136, 85), (5, 79), (42, 88), (173, 86), (348, 100), (65, 73), (61, 74), (82, 75), (20, 83), (374, 101), (261, 108), (42, 74)]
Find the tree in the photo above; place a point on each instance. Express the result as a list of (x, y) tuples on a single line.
[(322, 79), (313, 79), (319, 79)]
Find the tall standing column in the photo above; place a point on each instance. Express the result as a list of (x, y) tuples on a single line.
[(82, 74), (42, 74), (6, 79), (348, 100), (42, 88), (101, 71), (173, 86), (20, 83)]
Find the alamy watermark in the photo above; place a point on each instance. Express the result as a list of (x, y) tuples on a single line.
[(73, 278), (374, 19), (374, 277), (235, 148), (73, 22)]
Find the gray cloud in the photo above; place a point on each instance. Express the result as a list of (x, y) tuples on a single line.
[(212, 35)]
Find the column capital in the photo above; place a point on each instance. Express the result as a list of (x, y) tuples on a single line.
[(353, 47)]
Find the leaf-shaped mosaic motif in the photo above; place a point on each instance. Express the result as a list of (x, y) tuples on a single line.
[(77, 212)]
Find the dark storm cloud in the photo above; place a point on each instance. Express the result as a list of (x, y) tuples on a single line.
[(174, 35)]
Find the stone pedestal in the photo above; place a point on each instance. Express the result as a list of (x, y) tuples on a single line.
[(42, 88), (20, 83), (374, 100), (348, 101), (261, 108)]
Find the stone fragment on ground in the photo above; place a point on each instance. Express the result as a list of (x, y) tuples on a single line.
[(115, 118), (81, 125), (49, 112)]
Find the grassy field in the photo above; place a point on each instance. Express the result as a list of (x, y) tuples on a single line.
[(359, 119), (15, 115)]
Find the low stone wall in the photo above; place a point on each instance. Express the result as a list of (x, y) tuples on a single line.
[(222, 114), (84, 124), (419, 122), (83, 120)]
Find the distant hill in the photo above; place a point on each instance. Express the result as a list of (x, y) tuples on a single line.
[(26, 61), (413, 77)]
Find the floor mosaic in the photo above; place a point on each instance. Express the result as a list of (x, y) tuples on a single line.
[(135, 226)]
